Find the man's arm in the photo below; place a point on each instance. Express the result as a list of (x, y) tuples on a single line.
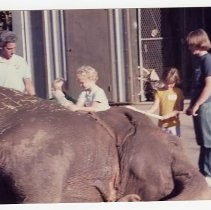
[(29, 87)]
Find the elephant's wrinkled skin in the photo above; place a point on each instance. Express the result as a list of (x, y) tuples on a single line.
[(49, 154)]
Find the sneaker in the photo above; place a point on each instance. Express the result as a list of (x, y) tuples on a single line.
[(208, 180)]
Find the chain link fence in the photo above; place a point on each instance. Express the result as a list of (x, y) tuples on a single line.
[(159, 42), (5, 20)]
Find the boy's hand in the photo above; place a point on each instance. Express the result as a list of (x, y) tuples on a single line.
[(57, 86)]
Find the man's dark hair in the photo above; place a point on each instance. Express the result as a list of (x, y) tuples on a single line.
[(7, 37)]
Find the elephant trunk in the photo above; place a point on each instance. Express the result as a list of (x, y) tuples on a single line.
[(190, 186)]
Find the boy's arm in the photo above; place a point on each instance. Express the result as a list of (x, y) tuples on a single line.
[(99, 98), (60, 98), (92, 108), (81, 100)]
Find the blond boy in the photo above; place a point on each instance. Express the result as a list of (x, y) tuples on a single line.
[(92, 97)]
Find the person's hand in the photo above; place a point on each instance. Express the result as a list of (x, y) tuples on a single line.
[(192, 110), (58, 86), (195, 108), (188, 111), (167, 116)]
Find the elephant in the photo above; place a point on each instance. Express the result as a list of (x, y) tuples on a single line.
[(49, 154)]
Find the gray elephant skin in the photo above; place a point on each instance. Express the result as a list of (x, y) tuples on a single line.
[(49, 154)]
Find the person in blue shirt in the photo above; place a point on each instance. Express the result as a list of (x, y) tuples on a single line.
[(200, 106)]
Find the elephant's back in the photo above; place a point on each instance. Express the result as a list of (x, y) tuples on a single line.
[(44, 141)]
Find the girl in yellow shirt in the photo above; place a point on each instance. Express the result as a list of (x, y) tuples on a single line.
[(169, 99)]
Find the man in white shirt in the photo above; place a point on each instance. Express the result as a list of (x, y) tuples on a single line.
[(14, 71)]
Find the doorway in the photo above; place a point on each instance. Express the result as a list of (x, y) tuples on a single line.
[(88, 43)]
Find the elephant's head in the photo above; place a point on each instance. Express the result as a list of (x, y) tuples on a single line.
[(153, 165)]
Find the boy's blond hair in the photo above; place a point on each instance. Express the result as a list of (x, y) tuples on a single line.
[(171, 75), (198, 39), (87, 72)]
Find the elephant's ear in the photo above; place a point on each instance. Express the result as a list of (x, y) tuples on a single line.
[(121, 122), (116, 123)]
